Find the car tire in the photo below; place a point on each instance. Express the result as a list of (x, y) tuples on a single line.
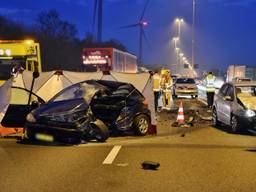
[(235, 128), (216, 122), (141, 124), (101, 132)]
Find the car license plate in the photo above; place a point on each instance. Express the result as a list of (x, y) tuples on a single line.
[(44, 137)]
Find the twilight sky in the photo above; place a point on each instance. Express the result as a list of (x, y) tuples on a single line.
[(225, 29)]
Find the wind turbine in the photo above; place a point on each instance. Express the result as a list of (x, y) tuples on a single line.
[(141, 24), (98, 8)]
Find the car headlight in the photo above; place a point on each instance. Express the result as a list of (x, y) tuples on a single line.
[(247, 113), (250, 113), (30, 118)]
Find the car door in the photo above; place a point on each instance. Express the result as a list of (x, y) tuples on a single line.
[(219, 102), (18, 108), (228, 99)]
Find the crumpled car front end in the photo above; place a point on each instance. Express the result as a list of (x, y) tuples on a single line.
[(61, 120)]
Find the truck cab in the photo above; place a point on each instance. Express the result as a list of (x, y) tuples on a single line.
[(22, 53)]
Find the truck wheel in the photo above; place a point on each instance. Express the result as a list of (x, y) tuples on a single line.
[(141, 124), (101, 132)]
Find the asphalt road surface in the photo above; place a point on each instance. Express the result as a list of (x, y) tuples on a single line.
[(205, 159)]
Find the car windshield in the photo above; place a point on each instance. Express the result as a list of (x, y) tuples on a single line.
[(246, 91), (185, 81), (78, 91)]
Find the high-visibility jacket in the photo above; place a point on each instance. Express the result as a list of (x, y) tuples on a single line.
[(168, 83), (210, 79), (162, 82), (156, 82)]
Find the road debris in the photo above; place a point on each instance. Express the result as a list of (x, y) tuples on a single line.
[(150, 165)]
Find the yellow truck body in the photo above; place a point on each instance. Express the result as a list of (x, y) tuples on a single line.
[(24, 53)]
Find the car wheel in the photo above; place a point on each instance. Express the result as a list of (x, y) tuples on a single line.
[(216, 122), (141, 124), (234, 124), (101, 132)]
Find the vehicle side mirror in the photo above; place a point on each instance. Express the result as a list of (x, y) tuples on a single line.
[(35, 74), (228, 98)]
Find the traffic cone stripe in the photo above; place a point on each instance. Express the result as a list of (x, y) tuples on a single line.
[(180, 117)]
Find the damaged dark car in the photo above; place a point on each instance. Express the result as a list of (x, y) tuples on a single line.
[(89, 110)]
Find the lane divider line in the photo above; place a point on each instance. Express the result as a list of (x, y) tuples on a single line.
[(112, 155)]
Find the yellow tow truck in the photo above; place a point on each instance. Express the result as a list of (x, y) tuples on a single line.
[(21, 53)]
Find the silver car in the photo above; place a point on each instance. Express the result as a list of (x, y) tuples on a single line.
[(235, 105)]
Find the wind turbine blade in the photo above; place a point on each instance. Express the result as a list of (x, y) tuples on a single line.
[(144, 10), (146, 38), (94, 14), (130, 26)]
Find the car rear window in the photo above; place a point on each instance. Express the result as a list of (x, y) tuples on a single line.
[(185, 80)]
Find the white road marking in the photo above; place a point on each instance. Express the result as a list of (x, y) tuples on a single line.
[(112, 155)]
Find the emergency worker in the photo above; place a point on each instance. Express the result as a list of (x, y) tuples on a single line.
[(156, 87), (210, 89), (167, 91)]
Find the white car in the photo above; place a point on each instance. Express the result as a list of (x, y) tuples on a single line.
[(185, 87)]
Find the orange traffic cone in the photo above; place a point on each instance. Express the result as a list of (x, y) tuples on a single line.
[(181, 118)]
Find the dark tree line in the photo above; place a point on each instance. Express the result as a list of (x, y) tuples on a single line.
[(60, 46)]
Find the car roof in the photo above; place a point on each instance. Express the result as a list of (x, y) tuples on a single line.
[(243, 83)]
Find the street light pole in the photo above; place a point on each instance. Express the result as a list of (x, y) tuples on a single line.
[(193, 34), (175, 39), (179, 22)]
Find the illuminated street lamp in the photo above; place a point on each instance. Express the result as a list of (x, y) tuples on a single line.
[(179, 21), (181, 55)]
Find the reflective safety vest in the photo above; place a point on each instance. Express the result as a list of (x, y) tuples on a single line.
[(210, 79), (156, 82), (168, 83)]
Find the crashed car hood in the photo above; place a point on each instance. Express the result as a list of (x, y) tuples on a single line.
[(247, 100), (66, 106)]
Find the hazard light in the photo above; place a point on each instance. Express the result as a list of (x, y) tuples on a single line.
[(8, 52), (100, 61), (29, 42)]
